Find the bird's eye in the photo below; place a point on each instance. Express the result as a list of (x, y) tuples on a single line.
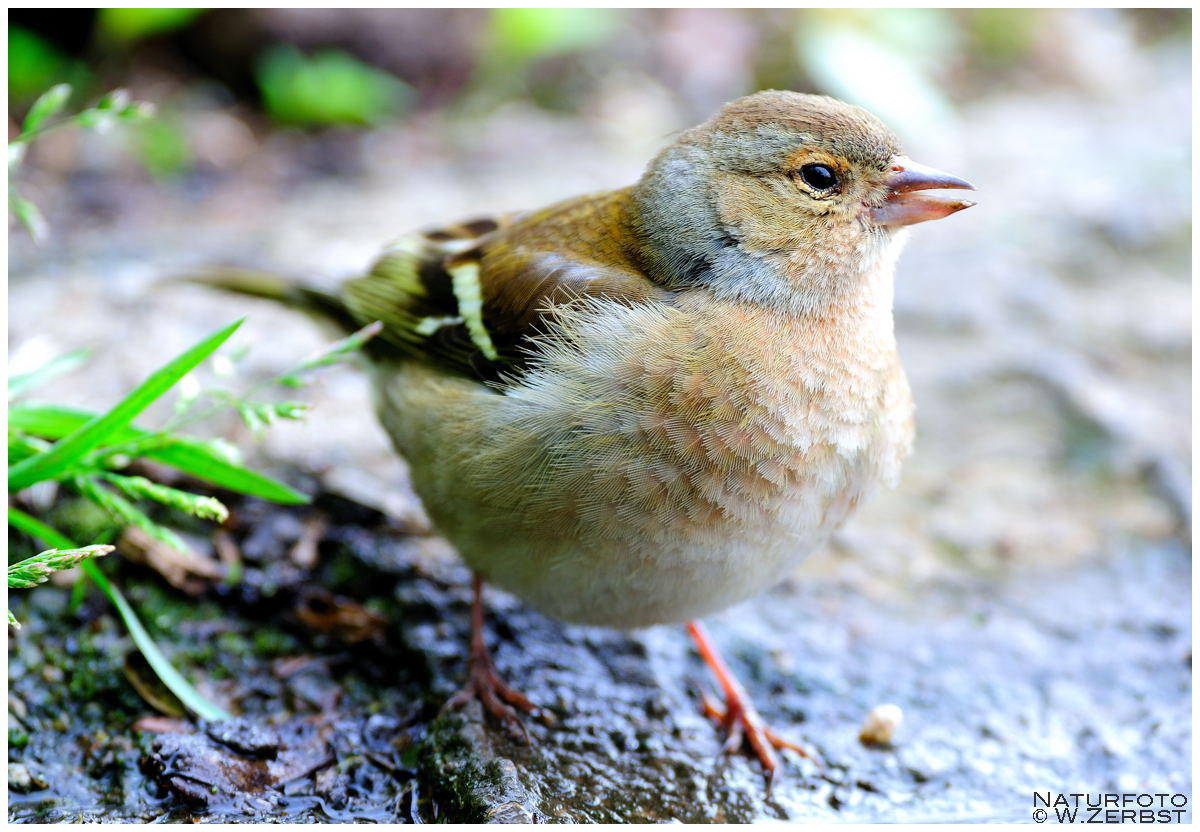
[(818, 177)]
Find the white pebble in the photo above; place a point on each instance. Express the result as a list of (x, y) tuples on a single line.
[(880, 725)]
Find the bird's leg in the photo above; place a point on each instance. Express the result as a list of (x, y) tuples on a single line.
[(738, 715), (483, 682)]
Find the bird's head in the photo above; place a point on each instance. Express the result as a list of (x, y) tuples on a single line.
[(782, 194)]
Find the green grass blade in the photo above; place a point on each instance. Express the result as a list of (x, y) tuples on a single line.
[(35, 528), (23, 382), (54, 421), (201, 463), (171, 677), (68, 450), (188, 455), (21, 446)]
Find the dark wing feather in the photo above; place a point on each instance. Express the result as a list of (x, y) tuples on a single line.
[(473, 297)]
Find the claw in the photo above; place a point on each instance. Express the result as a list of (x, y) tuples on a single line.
[(711, 707), (738, 716), (497, 697)]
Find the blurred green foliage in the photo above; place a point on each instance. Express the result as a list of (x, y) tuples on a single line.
[(34, 65), (162, 147), (549, 57), (527, 34), (129, 25), (848, 52), (1003, 35), (45, 116), (327, 88), (365, 68)]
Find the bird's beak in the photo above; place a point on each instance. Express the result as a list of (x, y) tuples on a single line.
[(907, 205)]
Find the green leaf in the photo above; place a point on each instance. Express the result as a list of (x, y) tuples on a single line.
[(118, 99), (48, 105), (53, 421), (34, 64), (29, 215), (525, 34), (201, 460), (21, 446), (129, 25), (171, 677), (70, 449), (35, 528), (205, 464), (22, 382), (330, 87)]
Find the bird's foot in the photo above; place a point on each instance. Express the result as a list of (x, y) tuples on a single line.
[(742, 723), (738, 716), (497, 697)]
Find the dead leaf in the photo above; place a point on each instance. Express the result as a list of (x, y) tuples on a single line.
[(187, 571), (161, 725), (344, 618)]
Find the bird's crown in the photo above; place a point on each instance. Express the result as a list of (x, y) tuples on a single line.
[(755, 129)]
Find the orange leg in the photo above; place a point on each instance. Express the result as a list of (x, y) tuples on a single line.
[(738, 716), (484, 683)]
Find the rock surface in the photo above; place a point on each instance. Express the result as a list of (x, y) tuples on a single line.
[(1060, 680)]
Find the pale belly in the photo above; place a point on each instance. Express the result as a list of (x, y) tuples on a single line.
[(628, 544), (620, 485), (630, 582)]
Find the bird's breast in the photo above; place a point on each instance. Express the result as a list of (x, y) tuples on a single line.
[(658, 462), (774, 420)]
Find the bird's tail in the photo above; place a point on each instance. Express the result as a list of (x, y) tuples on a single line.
[(326, 307)]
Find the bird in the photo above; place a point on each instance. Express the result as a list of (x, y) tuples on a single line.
[(643, 406)]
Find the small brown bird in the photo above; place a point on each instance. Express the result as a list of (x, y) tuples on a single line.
[(643, 406)]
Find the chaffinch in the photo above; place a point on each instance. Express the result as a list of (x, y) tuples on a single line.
[(643, 406)]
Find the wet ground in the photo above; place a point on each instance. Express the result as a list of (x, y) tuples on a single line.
[(1057, 680), (994, 709), (1024, 595)]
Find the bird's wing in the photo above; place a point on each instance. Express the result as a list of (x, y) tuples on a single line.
[(476, 297)]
